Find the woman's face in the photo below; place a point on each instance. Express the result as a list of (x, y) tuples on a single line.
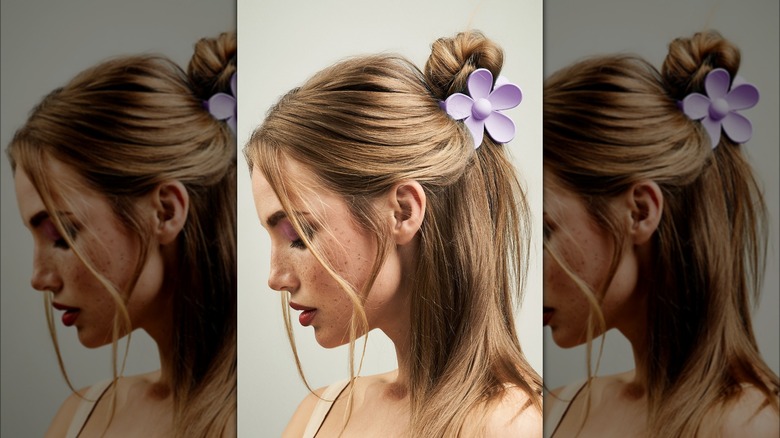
[(108, 245), (586, 249), (350, 249)]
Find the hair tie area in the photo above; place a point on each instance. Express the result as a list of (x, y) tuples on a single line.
[(481, 109), (223, 106)]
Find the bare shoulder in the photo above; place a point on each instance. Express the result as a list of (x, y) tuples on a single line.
[(61, 422), (751, 415), (514, 415), (297, 424), (566, 394)]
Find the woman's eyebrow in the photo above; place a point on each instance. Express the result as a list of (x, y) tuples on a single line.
[(281, 214), (37, 218), (42, 215), (275, 218)]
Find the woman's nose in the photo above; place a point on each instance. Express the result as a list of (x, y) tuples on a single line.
[(282, 277), (45, 276)]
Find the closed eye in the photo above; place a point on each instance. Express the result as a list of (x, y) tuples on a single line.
[(50, 231), (295, 240)]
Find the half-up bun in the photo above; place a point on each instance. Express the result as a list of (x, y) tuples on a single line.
[(212, 65), (453, 59), (690, 59)]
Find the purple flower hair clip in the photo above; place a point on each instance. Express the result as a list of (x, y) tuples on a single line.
[(223, 106), (719, 107), (482, 110)]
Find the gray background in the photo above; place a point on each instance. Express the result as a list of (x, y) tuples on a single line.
[(282, 44), (575, 29), (44, 44)]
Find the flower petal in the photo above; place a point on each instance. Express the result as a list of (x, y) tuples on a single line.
[(717, 83), (234, 84), (458, 106), (480, 83), (231, 121), (737, 127), (500, 127), (742, 97), (713, 130), (695, 105), (222, 106), (477, 128), (505, 96)]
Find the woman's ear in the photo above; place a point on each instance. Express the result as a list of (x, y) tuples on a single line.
[(171, 203), (408, 203), (646, 203)]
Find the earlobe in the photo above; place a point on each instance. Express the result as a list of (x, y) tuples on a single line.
[(647, 205), (171, 202), (408, 201)]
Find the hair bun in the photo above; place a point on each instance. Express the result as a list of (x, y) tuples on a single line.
[(452, 60), (690, 60), (212, 65)]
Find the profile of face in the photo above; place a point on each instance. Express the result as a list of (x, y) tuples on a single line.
[(574, 240), (107, 243), (348, 247)]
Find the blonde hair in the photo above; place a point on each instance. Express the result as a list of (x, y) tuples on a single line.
[(612, 121), (124, 126), (367, 123)]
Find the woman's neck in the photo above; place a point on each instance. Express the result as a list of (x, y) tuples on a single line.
[(403, 356), (165, 350), (160, 329), (634, 328)]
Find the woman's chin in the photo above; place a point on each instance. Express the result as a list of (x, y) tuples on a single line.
[(567, 340), (93, 340), (330, 340), (93, 343)]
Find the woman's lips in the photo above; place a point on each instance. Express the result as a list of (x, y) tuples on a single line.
[(548, 313), (71, 313), (307, 313)]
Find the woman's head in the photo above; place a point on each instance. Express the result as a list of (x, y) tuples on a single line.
[(107, 244), (366, 139), (612, 126), (357, 130), (614, 122), (349, 248), (579, 260), (133, 173)]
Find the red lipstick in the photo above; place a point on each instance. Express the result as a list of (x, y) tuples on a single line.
[(71, 313), (307, 313)]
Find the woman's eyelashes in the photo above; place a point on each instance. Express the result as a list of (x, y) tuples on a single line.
[(290, 234), (50, 231)]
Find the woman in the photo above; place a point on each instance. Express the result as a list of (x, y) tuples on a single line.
[(126, 180), (385, 212), (654, 225)]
